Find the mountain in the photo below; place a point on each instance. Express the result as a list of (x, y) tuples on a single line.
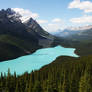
[(18, 39), (72, 31), (44, 38), (65, 32), (85, 33), (79, 38), (81, 28), (82, 41)]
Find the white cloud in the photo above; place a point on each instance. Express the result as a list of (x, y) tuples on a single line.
[(54, 27), (42, 21), (57, 20), (86, 6), (81, 20), (26, 14)]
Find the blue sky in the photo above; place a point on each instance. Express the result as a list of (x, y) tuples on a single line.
[(54, 14)]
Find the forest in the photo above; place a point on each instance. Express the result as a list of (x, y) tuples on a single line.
[(65, 74)]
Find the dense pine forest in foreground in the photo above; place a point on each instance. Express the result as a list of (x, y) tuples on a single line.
[(65, 74)]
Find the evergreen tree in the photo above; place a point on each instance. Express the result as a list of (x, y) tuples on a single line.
[(37, 87), (84, 83)]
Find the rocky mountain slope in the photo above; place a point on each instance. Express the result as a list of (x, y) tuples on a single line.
[(17, 38)]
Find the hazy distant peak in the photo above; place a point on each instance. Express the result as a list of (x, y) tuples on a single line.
[(80, 28)]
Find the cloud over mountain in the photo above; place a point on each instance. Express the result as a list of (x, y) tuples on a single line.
[(26, 14)]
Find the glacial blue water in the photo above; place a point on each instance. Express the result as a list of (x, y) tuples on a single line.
[(36, 60)]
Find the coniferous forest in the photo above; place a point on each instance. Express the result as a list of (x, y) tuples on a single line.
[(65, 74)]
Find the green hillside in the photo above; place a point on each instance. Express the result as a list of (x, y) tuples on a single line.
[(13, 47), (83, 47), (82, 41)]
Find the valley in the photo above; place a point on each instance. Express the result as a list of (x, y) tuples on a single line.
[(34, 60)]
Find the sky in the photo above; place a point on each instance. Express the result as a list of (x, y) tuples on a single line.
[(53, 14)]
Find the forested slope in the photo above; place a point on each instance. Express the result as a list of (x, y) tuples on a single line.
[(65, 74)]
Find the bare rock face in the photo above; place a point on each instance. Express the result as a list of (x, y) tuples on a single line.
[(25, 37)]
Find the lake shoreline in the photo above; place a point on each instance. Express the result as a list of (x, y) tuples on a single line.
[(35, 61)]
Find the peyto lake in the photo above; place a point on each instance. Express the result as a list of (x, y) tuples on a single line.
[(36, 60)]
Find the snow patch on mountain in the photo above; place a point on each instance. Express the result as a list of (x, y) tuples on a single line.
[(25, 14)]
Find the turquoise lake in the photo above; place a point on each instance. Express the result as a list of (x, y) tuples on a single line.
[(36, 60)]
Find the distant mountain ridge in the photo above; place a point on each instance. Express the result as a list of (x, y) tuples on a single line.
[(79, 38), (85, 33), (65, 33), (80, 28), (72, 31)]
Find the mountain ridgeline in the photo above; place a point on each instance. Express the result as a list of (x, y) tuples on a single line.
[(18, 39), (79, 38), (75, 31), (82, 41)]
